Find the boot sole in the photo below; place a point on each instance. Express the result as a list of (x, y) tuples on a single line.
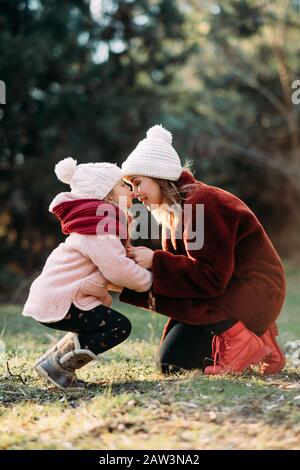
[(44, 374)]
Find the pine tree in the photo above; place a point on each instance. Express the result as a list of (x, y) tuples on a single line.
[(77, 84)]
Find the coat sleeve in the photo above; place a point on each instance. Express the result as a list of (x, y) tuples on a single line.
[(203, 272), (139, 299), (109, 255)]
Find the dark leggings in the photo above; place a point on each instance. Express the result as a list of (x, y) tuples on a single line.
[(98, 329), (187, 347)]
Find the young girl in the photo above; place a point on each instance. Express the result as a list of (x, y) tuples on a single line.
[(71, 293), (222, 296)]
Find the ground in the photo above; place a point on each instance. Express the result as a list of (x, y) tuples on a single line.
[(130, 405)]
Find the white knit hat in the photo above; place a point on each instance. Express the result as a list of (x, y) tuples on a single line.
[(154, 156), (88, 180)]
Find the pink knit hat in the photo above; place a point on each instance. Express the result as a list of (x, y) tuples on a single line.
[(88, 180)]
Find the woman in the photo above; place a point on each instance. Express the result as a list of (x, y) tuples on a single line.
[(222, 296)]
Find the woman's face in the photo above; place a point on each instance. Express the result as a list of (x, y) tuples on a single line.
[(121, 194), (146, 190)]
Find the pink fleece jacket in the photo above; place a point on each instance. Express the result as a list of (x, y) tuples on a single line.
[(78, 271)]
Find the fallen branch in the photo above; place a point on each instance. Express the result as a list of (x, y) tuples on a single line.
[(18, 376)]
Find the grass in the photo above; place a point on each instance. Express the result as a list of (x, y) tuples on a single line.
[(130, 405)]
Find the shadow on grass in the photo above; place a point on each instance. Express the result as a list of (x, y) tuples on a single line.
[(186, 385), (13, 392)]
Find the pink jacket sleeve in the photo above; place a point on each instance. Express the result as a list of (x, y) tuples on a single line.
[(109, 255)]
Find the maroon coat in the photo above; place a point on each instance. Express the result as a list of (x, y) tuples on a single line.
[(237, 274)]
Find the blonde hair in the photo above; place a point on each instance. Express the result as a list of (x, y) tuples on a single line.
[(173, 195)]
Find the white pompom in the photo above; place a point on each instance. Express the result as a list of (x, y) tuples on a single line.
[(159, 132), (65, 169)]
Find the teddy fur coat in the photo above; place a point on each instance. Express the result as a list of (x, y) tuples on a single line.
[(236, 274)]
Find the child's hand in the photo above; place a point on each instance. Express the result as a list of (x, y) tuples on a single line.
[(107, 301), (104, 296), (141, 255), (100, 291)]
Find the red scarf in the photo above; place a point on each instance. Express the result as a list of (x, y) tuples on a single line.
[(91, 216)]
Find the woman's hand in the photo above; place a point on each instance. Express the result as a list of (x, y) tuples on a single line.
[(141, 255)]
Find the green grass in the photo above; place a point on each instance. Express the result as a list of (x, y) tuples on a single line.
[(128, 404)]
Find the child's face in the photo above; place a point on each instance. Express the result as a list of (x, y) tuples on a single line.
[(122, 194), (146, 190)]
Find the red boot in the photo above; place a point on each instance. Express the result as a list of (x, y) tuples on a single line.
[(275, 362), (235, 350)]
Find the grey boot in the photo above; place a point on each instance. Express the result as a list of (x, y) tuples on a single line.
[(56, 346), (59, 363)]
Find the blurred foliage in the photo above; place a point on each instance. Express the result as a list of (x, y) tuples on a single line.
[(249, 133), (88, 83)]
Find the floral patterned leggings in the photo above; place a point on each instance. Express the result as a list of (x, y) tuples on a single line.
[(99, 329)]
